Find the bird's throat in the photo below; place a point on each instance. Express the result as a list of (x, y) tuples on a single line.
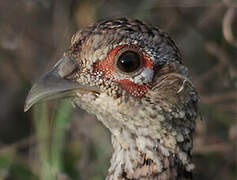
[(133, 158), (154, 149)]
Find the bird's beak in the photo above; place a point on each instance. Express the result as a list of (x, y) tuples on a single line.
[(55, 84)]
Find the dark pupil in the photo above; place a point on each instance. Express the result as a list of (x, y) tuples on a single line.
[(128, 62)]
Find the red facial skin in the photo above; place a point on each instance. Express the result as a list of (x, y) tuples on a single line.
[(108, 67)]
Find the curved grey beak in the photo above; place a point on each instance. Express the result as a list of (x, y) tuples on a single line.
[(54, 84)]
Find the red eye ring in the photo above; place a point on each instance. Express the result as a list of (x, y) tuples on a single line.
[(107, 67), (128, 60)]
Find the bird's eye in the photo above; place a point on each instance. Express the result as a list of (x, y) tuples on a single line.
[(129, 61)]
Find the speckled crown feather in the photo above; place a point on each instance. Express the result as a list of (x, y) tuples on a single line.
[(145, 35)]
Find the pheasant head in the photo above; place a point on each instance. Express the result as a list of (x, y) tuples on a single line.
[(131, 76)]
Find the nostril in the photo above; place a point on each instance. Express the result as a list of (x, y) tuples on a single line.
[(66, 66)]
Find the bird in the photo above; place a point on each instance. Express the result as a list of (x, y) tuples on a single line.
[(131, 75)]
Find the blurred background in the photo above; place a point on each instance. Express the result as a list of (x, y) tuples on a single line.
[(55, 141)]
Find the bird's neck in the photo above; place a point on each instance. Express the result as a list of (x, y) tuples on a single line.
[(140, 157)]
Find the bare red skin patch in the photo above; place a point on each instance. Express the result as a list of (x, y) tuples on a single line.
[(133, 88), (107, 66)]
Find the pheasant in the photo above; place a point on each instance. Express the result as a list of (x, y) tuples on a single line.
[(131, 76)]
